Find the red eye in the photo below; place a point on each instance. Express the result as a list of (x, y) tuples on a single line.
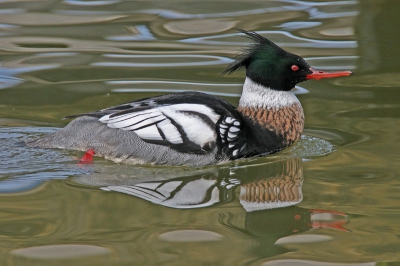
[(295, 68)]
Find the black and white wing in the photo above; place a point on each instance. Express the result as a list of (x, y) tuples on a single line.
[(190, 122), (187, 127), (230, 130)]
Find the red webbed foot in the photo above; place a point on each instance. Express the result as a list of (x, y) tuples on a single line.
[(88, 157)]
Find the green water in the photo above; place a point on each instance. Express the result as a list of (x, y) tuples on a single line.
[(332, 199)]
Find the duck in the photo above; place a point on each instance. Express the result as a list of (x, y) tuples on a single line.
[(196, 129)]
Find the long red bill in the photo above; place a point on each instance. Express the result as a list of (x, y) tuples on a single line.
[(319, 74)]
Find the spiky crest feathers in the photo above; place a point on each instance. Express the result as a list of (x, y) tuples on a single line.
[(246, 55)]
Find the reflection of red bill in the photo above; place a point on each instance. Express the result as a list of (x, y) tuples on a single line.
[(329, 219)]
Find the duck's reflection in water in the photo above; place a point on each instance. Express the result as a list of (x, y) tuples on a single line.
[(264, 199), (263, 186), (272, 186), (267, 193), (171, 187)]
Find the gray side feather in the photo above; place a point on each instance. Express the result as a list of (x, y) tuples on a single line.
[(118, 145)]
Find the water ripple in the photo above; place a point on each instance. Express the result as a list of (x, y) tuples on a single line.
[(91, 3), (12, 11), (177, 15), (213, 60), (190, 236), (139, 32), (9, 71), (163, 86), (23, 168), (333, 62), (312, 8), (296, 25), (66, 251), (281, 38)]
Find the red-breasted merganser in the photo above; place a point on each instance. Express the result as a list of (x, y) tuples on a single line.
[(194, 128)]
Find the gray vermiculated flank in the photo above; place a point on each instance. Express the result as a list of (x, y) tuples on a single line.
[(118, 145)]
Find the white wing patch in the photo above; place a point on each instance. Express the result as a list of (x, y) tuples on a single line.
[(150, 133), (161, 123), (173, 135)]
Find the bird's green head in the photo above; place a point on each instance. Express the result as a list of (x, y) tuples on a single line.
[(271, 66)]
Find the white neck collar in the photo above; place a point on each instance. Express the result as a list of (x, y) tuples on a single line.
[(257, 96)]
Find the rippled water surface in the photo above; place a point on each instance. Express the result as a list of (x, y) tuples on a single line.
[(331, 199)]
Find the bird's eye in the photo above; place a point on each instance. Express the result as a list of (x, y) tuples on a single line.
[(295, 68)]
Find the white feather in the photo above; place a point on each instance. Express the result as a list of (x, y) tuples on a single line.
[(150, 133), (195, 128), (104, 119), (170, 132), (235, 152), (229, 119), (231, 135), (107, 119), (124, 121), (257, 96), (144, 123)]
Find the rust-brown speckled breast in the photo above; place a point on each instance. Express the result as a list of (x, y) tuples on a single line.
[(287, 122)]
